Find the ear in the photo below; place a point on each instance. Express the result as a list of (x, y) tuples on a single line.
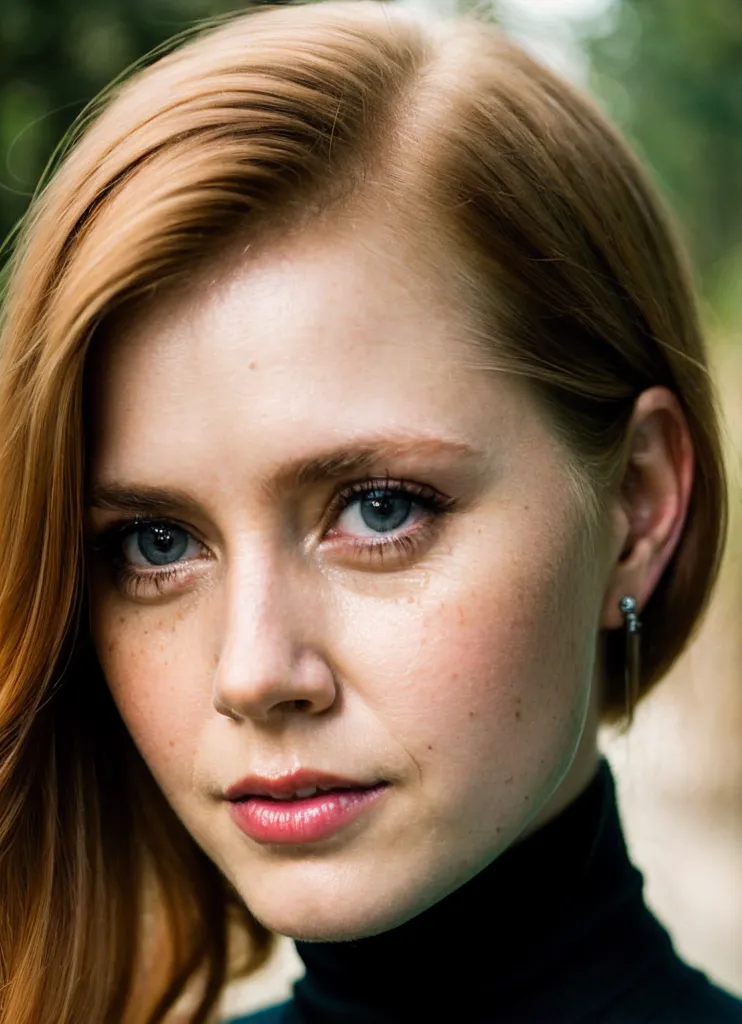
[(652, 502)]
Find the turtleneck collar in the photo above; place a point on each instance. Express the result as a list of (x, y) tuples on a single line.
[(557, 921)]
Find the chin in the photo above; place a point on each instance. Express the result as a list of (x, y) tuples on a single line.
[(330, 931), (331, 925), (327, 915)]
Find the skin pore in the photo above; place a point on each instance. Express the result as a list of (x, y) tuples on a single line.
[(456, 659)]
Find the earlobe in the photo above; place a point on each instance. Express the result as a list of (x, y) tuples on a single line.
[(654, 496)]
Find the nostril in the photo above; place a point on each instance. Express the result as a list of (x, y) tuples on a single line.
[(302, 705)]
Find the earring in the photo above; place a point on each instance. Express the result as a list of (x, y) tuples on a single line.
[(627, 606)]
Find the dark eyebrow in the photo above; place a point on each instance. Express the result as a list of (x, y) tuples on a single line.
[(297, 474), (139, 500), (361, 457)]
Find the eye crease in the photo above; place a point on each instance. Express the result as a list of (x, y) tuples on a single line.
[(145, 555)]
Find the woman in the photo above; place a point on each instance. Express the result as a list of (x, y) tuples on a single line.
[(360, 457)]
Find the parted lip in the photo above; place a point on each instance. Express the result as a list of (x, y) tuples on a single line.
[(285, 786)]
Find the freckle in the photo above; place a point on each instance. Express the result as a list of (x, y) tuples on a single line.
[(498, 830), (517, 715), (252, 366), (172, 743), (508, 780), (471, 714), (122, 620), (526, 798), (429, 747)]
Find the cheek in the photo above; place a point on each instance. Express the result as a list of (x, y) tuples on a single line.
[(490, 672), (145, 660)]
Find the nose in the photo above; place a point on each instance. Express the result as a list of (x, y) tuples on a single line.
[(270, 661)]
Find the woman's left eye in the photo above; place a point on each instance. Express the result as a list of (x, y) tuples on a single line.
[(382, 518), (380, 510)]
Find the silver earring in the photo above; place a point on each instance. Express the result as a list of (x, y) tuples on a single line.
[(627, 606)]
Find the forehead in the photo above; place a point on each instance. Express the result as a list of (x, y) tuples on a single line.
[(335, 331), (341, 280)]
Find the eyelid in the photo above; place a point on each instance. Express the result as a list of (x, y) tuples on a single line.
[(125, 524), (127, 520), (421, 492)]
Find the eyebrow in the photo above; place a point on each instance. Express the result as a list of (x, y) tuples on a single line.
[(339, 462)]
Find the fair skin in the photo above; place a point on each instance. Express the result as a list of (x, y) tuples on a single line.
[(463, 671)]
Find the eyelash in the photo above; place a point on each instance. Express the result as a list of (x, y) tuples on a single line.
[(108, 543)]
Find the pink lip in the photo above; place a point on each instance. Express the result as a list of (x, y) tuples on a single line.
[(304, 820)]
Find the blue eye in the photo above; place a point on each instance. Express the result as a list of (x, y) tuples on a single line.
[(157, 543), (382, 514), (384, 510)]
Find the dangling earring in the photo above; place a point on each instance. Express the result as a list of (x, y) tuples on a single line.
[(627, 606)]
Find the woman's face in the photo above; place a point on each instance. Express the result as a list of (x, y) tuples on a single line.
[(345, 550)]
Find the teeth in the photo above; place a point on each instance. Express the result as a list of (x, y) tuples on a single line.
[(303, 794), (300, 794)]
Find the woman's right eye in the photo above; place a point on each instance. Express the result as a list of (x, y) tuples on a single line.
[(148, 555), (157, 543)]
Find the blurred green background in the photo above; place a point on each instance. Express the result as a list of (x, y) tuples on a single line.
[(668, 71)]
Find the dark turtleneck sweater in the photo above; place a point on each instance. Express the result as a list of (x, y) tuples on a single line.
[(555, 931)]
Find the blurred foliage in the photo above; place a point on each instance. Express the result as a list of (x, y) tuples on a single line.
[(55, 56), (670, 73)]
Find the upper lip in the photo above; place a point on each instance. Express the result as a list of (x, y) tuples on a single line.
[(287, 785)]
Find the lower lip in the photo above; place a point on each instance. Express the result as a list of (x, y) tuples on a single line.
[(302, 821)]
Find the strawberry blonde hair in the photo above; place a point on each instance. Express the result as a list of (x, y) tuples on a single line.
[(571, 278)]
